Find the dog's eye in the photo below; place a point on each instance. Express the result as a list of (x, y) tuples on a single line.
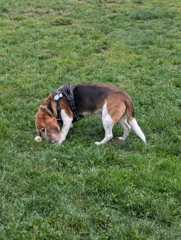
[(43, 130)]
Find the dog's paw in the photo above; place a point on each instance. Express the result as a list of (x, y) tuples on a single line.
[(59, 142), (121, 138), (98, 143)]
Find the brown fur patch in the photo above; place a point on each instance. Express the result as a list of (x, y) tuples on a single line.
[(116, 107)]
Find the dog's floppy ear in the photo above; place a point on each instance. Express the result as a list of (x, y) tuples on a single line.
[(51, 104), (53, 107)]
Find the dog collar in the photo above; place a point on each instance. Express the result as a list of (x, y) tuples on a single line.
[(68, 93)]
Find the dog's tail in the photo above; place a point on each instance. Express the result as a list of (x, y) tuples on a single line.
[(132, 120), (134, 125)]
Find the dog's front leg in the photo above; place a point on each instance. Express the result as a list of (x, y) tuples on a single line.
[(67, 123)]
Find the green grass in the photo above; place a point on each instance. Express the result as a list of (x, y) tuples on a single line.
[(121, 190)]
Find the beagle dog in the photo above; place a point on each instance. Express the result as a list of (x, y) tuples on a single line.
[(108, 102)]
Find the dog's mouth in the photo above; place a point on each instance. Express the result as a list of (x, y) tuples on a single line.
[(53, 141), (49, 136)]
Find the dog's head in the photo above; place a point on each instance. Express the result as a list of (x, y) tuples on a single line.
[(46, 125), (46, 122)]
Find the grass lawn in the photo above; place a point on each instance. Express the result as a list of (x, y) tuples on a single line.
[(77, 190)]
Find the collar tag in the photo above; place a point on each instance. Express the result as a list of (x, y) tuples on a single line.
[(58, 96)]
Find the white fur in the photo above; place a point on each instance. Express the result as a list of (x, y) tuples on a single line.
[(67, 123), (137, 130), (107, 124)]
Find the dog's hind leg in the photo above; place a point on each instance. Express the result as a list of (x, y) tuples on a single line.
[(108, 125), (126, 127)]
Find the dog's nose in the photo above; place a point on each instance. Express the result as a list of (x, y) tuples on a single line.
[(55, 138), (54, 141)]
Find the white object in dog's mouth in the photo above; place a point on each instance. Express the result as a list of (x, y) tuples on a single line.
[(38, 139)]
